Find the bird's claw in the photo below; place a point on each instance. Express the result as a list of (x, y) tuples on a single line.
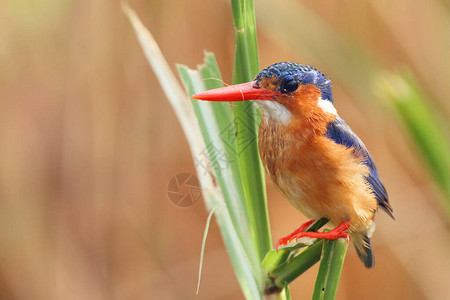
[(292, 237), (334, 234)]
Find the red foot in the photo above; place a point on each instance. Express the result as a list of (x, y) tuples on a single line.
[(287, 239), (336, 233)]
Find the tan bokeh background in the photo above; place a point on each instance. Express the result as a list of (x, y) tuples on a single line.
[(89, 144)]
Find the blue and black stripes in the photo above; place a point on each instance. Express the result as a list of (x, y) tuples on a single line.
[(303, 74)]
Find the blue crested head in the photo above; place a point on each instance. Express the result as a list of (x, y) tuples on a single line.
[(288, 73)]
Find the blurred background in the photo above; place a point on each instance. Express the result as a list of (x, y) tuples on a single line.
[(89, 144)]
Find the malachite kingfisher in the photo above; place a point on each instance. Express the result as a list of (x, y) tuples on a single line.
[(312, 156)]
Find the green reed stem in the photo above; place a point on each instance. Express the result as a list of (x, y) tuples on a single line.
[(330, 269), (247, 119)]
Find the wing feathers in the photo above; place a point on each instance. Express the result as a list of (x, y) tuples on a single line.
[(340, 133)]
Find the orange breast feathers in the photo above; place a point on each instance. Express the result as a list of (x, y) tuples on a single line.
[(318, 177)]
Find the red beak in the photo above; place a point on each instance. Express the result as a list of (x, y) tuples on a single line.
[(237, 92)]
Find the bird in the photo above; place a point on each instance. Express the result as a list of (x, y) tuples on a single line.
[(311, 155)]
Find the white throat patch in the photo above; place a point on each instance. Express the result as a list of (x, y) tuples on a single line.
[(274, 111), (279, 113), (327, 106)]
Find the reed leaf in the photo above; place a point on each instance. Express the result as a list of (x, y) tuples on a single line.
[(188, 117), (424, 125)]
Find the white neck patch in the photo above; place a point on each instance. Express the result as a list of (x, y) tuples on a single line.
[(274, 111), (327, 106), (279, 113)]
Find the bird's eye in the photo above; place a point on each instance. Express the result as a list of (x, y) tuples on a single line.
[(289, 86)]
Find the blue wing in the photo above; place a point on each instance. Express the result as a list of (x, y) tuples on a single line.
[(340, 133)]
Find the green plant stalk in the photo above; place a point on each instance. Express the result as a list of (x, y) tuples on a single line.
[(330, 269), (246, 52), (246, 120), (274, 259), (284, 274)]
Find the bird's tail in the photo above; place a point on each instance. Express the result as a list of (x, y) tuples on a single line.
[(364, 249)]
